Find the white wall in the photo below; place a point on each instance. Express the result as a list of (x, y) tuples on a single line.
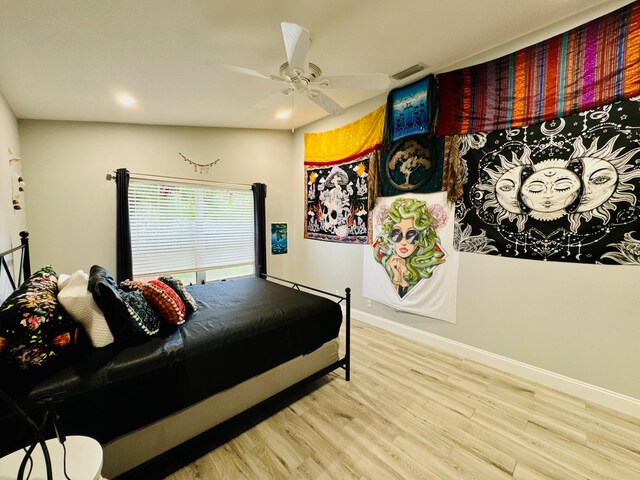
[(582, 321), (72, 207), (11, 221)]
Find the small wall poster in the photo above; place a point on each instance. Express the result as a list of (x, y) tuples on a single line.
[(278, 238)]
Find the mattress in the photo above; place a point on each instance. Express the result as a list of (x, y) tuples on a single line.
[(241, 329)]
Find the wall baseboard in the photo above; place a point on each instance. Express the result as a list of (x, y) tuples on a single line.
[(592, 393)]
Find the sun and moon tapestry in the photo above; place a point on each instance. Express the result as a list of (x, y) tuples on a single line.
[(563, 190)]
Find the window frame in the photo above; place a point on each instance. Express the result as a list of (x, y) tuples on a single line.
[(201, 270)]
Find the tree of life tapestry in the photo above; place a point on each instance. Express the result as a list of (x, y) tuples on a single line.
[(563, 190)]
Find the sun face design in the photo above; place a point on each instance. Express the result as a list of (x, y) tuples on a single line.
[(502, 189), (548, 189), (586, 185), (606, 175)]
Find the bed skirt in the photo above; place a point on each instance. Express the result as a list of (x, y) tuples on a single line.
[(135, 448)]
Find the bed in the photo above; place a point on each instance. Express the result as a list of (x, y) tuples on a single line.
[(249, 339)]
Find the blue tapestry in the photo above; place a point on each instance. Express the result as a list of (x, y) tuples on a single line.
[(411, 109), (410, 158)]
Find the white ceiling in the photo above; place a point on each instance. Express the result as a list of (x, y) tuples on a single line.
[(67, 59)]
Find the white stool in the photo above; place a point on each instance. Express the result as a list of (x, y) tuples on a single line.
[(84, 460)]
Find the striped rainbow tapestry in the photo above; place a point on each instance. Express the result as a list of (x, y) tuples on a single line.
[(592, 65)]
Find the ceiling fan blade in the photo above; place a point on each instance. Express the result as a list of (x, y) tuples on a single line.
[(254, 73), (374, 81), (247, 71), (325, 102), (296, 43), (276, 100)]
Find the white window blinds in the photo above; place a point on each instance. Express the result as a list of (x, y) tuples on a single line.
[(179, 227)]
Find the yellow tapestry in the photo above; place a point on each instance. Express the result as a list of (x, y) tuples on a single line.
[(346, 142)]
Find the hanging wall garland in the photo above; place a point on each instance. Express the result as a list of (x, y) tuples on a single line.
[(199, 167)]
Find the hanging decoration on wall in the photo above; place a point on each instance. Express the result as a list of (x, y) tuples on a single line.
[(412, 164), (594, 64), (278, 238), (340, 179), (17, 186), (565, 190), (13, 158), (199, 167), (411, 109), (411, 160), (336, 201), (452, 169), (412, 265)]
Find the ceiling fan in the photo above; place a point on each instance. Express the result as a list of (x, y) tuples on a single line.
[(301, 76)]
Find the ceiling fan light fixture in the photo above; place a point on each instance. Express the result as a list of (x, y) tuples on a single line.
[(407, 72), (126, 100), (283, 114), (310, 75)]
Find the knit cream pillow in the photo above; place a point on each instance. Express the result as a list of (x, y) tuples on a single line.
[(78, 301)]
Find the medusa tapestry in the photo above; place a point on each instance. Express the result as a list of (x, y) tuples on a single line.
[(564, 190), (412, 265)]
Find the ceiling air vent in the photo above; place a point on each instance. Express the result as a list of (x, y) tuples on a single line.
[(407, 72)]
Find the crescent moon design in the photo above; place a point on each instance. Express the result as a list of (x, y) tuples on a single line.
[(550, 132)]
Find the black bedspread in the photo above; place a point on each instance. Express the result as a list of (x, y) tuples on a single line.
[(245, 327), (242, 328)]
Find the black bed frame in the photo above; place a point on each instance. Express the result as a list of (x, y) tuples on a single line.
[(344, 362), (25, 263)]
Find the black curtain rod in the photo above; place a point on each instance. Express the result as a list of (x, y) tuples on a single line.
[(112, 176)]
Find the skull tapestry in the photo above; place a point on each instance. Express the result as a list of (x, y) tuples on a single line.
[(340, 169), (337, 198)]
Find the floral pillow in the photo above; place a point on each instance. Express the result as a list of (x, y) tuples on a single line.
[(33, 327)]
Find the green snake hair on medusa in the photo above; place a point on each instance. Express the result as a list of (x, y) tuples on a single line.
[(428, 253)]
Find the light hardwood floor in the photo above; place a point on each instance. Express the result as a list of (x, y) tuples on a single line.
[(414, 412)]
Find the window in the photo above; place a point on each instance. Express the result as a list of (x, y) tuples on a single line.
[(192, 231)]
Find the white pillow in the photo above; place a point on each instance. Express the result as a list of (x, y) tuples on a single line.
[(78, 301), (63, 279)]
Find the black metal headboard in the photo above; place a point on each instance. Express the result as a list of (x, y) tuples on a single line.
[(25, 263)]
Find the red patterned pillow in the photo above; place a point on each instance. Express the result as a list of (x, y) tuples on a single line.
[(177, 286), (165, 301)]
